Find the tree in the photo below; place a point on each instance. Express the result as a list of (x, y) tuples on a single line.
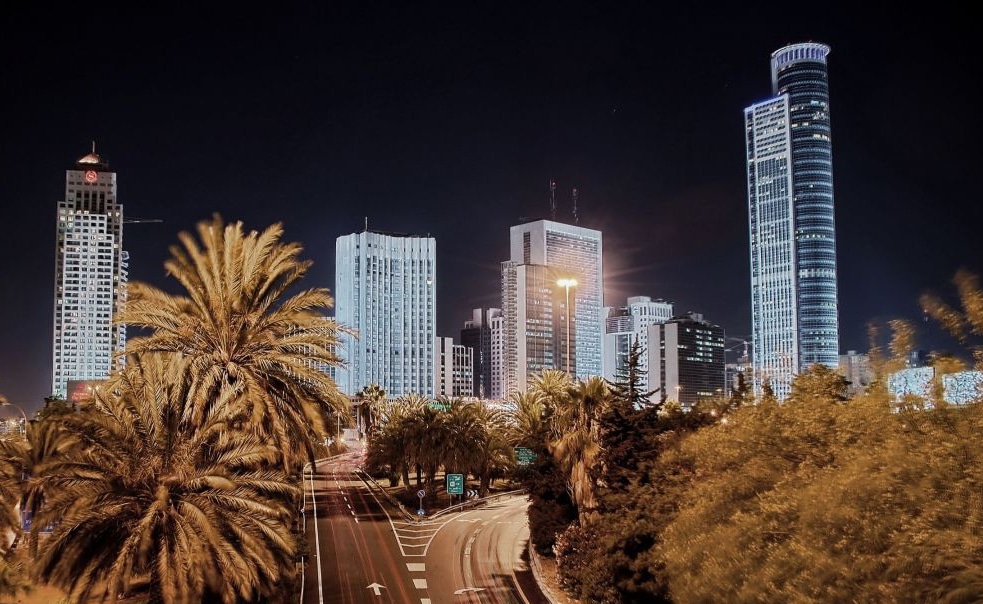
[(190, 507), (368, 400), (576, 440), (626, 423), (244, 340), (965, 324), (817, 500)]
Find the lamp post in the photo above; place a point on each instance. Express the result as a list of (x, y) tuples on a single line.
[(5, 403), (567, 284)]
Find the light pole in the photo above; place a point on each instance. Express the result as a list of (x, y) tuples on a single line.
[(5, 403), (567, 284)]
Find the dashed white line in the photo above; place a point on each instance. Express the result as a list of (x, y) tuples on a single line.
[(420, 583), (416, 567)]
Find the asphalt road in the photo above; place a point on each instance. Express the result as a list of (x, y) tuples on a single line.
[(364, 555)]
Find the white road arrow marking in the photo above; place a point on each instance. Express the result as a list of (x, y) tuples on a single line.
[(467, 589), (376, 587)]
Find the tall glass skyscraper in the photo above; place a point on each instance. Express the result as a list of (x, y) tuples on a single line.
[(385, 288), (90, 275), (791, 220)]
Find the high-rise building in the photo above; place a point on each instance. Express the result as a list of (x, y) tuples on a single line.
[(623, 326), (686, 360), (385, 288), (537, 334), (497, 369), (791, 221), (543, 253), (453, 369), (477, 335), (90, 275)]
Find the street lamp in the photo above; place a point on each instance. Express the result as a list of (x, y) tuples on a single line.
[(567, 284), (5, 403)]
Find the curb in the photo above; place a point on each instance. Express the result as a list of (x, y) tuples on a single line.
[(537, 574)]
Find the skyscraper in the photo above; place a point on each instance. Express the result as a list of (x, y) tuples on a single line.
[(791, 221), (560, 251), (90, 275), (385, 288)]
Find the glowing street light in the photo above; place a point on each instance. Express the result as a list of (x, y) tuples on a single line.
[(567, 284), (5, 403)]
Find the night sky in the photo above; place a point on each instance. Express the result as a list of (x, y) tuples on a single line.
[(451, 121)]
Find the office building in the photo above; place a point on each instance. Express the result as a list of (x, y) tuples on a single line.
[(629, 323), (90, 276), (453, 369), (791, 220), (553, 269), (686, 359), (385, 288), (537, 333), (477, 335), (497, 370)]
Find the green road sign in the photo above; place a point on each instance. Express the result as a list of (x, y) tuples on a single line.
[(524, 456), (455, 484)]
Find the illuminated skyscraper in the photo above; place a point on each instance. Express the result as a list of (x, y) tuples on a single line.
[(90, 275), (791, 220), (385, 288)]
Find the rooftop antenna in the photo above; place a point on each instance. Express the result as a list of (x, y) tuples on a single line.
[(366, 223), (553, 198), (576, 219), (93, 147)]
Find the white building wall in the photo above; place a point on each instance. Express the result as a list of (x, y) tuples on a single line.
[(385, 288)]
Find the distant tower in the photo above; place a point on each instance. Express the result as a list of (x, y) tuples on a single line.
[(791, 220), (90, 275), (385, 287)]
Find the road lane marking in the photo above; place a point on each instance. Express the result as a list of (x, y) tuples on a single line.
[(420, 583), (424, 600), (416, 567)]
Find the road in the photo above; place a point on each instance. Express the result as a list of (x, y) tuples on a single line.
[(364, 555)]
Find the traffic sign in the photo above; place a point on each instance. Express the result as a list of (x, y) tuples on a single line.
[(421, 493), (455, 484), (525, 456)]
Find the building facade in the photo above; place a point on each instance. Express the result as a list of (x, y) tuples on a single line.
[(791, 220), (477, 335), (686, 360), (453, 369), (539, 332), (855, 367), (629, 323), (90, 276), (385, 289), (497, 330)]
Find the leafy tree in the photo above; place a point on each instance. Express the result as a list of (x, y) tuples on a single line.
[(965, 324), (248, 344), (576, 440), (190, 507), (741, 393), (816, 500)]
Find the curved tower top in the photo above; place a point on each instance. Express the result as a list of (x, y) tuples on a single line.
[(813, 52)]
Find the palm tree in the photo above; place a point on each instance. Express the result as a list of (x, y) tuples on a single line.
[(369, 400), (190, 508), (241, 335), (576, 439), (493, 454)]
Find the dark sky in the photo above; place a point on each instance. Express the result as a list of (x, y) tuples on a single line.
[(452, 120)]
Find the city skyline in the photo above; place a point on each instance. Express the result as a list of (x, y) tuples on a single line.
[(433, 125)]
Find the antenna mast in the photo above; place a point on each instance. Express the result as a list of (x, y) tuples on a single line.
[(553, 199)]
